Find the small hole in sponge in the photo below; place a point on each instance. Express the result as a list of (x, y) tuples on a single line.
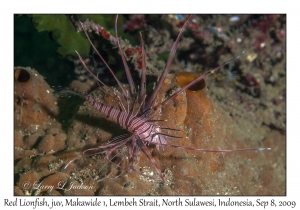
[(22, 75), (184, 78)]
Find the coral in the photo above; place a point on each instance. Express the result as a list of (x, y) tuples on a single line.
[(161, 43), (43, 162), (186, 172), (63, 32), (17, 191), (34, 103), (255, 84), (102, 20), (51, 143), (36, 129), (30, 181), (57, 180), (248, 111), (135, 22)]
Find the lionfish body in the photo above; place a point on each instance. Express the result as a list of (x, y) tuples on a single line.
[(136, 114), (139, 126)]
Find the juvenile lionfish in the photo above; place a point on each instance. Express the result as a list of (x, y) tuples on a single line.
[(137, 112)]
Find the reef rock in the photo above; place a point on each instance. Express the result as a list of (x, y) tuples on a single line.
[(42, 148), (202, 125), (34, 103)]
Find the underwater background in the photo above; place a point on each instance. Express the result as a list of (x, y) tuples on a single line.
[(243, 105)]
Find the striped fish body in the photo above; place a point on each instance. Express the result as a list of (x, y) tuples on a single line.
[(139, 126)]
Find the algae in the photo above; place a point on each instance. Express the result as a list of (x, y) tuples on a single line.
[(63, 32)]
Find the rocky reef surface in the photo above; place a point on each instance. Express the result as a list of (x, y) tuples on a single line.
[(41, 151), (242, 106)]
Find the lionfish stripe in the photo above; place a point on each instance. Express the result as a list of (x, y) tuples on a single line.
[(103, 109), (135, 122), (126, 121), (118, 118), (146, 128), (106, 109), (132, 119), (109, 113), (139, 124), (115, 114), (123, 117)]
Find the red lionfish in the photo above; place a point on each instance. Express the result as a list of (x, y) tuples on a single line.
[(140, 123)]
